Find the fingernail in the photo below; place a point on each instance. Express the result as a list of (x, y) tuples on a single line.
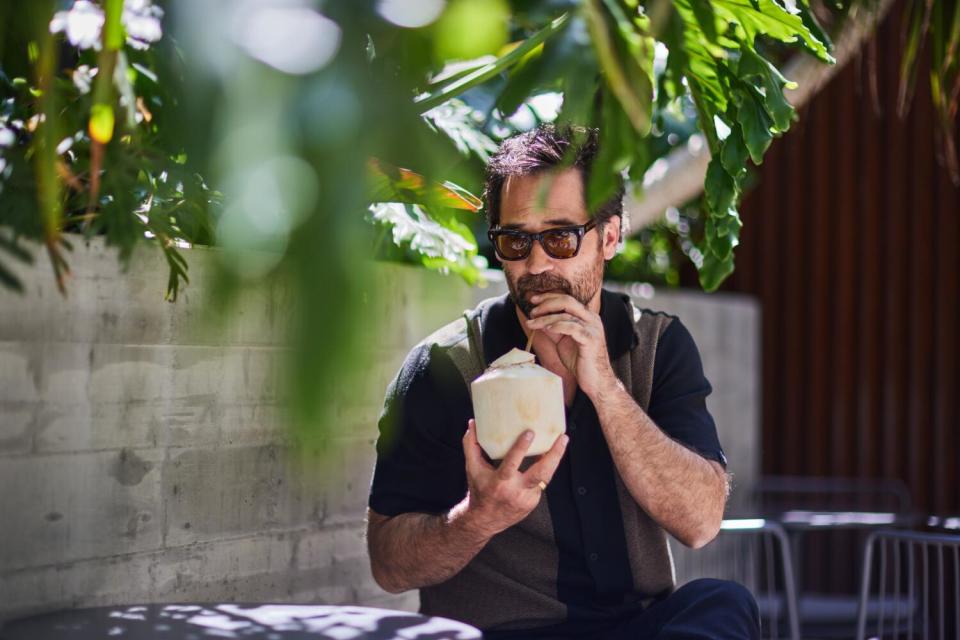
[(528, 435), (566, 439)]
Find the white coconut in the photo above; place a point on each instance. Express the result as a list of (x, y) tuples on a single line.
[(515, 394)]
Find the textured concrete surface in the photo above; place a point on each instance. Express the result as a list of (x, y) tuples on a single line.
[(143, 449), (143, 453)]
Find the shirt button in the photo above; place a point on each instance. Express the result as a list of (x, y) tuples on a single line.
[(594, 557), (582, 491)]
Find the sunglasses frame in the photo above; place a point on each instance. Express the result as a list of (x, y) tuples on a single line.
[(581, 230)]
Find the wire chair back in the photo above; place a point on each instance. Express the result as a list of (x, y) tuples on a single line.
[(755, 553), (910, 586)]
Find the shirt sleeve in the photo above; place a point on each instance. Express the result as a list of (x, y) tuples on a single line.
[(678, 397), (420, 463)]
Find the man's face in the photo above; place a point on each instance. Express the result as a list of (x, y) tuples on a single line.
[(521, 208)]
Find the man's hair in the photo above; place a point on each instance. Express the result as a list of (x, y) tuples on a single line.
[(541, 150)]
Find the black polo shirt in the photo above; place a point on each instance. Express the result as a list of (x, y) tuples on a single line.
[(421, 468)]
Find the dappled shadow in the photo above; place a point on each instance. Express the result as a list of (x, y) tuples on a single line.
[(242, 621)]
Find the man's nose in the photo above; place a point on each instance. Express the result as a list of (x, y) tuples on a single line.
[(538, 261)]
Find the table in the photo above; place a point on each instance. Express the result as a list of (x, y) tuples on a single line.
[(242, 621), (801, 520)]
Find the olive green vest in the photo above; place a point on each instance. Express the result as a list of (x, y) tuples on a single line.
[(512, 582)]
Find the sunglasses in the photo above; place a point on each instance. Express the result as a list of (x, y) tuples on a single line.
[(559, 242)]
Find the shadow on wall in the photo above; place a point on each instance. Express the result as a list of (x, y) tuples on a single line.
[(238, 621)]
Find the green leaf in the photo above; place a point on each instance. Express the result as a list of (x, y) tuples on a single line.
[(772, 82), (756, 126), (706, 19), (694, 55), (734, 152), (581, 78), (396, 184), (521, 83), (447, 247), (470, 28), (918, 25), (729, 224), (626, 58), (810, 22), (714, 271), (455, 119), (768, 18), (178, 271), (720, 188), (456, 87), (616, 152)]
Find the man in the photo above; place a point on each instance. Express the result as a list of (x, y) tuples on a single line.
[(571, 544)]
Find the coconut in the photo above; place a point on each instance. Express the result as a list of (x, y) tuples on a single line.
[(515, 394)]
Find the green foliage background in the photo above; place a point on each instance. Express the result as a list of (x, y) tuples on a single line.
[(377, 146)]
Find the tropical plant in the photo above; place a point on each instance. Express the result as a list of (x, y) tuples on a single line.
[(270, 127), (88, 137)]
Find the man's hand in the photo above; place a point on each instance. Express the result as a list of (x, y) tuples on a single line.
[(500, 497), (577, 332)]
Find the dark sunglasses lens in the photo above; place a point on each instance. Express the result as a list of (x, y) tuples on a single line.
[(561, 243), (512, 247)]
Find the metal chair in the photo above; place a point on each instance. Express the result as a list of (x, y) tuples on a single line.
[(755, 553), (822, 514), (910, 586)]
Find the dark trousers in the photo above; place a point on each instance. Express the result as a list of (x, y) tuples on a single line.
[(701, 609)]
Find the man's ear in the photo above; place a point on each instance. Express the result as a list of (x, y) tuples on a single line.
[(611, 237)]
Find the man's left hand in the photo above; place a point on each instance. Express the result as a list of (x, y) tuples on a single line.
[(578, 335)]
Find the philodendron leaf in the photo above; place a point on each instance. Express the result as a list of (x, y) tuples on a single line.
[(722, 234), (734, 152), (729, 225), (707, 19), (756, 126), (719, 246), (754, 67), (810, 22), (720, 188), (768, 18), (714, 271)]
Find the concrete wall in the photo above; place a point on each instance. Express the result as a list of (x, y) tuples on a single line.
[(143, 455), (726, 328)]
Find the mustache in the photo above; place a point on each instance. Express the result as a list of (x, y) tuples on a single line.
[(530, 284), (543, 282)]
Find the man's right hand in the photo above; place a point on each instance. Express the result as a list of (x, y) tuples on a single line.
[(500, 497)]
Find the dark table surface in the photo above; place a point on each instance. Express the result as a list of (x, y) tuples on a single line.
[(242, 621)]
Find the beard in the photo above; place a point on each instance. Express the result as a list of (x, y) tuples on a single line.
[(583, 287)]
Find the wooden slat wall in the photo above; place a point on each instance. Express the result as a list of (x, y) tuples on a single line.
[(851, 241)]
